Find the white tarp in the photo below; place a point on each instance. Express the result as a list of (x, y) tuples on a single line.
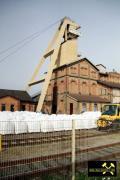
[(24, 122), (46, 126), (6, 125)]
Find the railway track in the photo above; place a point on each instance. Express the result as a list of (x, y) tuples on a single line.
[(28, 165), (38, 165), (43, 138)]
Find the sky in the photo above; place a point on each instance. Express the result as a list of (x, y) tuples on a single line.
[(99, 40)]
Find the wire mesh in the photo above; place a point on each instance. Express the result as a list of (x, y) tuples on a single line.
[(48, 152)]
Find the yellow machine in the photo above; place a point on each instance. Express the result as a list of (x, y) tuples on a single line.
[(110, 117)]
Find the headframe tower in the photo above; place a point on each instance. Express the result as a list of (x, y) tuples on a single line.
[(62, 50)]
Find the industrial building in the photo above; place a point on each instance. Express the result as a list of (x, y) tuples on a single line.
[(15, 100), (81, 86), (73, 84)]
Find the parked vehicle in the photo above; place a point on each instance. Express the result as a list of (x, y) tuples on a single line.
[(110, 117)]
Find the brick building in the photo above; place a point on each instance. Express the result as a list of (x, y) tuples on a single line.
[(15, 100), (81, 86)]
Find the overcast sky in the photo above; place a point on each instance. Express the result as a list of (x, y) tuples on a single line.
[(100, 30)]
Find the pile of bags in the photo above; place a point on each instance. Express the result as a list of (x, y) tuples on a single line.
[(28, 122)]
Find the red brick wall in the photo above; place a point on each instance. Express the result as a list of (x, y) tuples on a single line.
[(17, 104), (81, 79), (29, 106), (8, 101)]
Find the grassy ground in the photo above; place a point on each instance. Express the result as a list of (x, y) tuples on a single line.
[(79, 176)]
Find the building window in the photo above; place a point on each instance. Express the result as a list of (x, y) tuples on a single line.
[(3, 107), (71, 108), (103, 91), (84, 71), (73, 70), (73, 81), (90, 106), (12, 107), (84, 107), (23, 107), (84, 88), (93, 73), (55, 99), (93, 89), (84, 68), (95, 107)]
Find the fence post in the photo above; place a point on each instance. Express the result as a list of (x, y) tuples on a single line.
[(0, 142), (73, 149)]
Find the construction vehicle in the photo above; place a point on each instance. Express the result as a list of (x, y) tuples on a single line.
[(110, 117)]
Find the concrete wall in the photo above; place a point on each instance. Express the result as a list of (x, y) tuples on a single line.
[(65, 57)]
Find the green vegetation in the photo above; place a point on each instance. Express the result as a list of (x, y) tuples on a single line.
[(79, 176)]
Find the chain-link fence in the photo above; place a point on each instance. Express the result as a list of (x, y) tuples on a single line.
[(54, 148)]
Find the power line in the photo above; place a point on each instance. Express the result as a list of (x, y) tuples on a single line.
[(20, 47), (29, 38)]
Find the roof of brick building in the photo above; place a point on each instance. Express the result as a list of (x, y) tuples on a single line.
[(110, 84), (89, 98), (18, 94), (75, 62)]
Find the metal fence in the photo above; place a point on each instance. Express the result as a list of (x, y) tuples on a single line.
[(55, 154)]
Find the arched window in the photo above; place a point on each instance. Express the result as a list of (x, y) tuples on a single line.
[(54, 102), (93, 89), (95, 107), (84, 70), (73, 86), (84, 107), (84, 88), (93, 74), (73, 70)]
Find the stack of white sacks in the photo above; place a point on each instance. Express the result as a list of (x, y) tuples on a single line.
[(28, 122)]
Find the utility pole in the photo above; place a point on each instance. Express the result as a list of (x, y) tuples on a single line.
[(73, 149)]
